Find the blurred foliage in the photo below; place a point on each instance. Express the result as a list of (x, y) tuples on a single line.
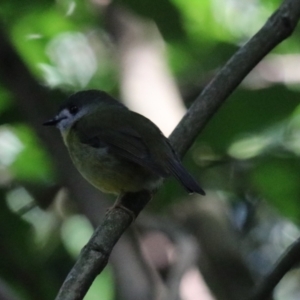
[(250, 149)]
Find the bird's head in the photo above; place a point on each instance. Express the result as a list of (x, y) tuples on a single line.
[(78, 106)]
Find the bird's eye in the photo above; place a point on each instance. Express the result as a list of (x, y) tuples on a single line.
[(73, 109)]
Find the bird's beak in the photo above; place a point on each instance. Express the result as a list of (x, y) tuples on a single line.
[(54, 121)]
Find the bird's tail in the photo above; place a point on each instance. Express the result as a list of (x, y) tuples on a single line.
[(185, 178)]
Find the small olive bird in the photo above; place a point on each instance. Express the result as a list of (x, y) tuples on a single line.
[(115, 149)]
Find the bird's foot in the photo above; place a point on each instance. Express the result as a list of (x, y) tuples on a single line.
[(118, 204)]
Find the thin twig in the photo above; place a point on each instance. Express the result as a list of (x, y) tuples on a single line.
[(93, 259), (288, 260)]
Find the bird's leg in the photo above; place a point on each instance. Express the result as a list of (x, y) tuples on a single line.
[(118, 204), (132, 202)]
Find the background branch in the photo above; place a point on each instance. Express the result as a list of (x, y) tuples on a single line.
[(288, 260), (220, 259), (94, 256), (147, 283)]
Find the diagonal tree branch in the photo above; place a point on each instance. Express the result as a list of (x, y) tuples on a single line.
[(279, 26), (95, 254)]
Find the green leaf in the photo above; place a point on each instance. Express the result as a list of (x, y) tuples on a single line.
[(33, 163), (277, 180), (249, 112)]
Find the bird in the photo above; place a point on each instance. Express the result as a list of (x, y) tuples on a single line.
[(115, 149)]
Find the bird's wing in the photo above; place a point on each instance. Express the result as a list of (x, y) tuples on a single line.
[(121, 141)]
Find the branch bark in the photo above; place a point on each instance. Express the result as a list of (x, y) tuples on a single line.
[(279, 26), (94, 256)]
